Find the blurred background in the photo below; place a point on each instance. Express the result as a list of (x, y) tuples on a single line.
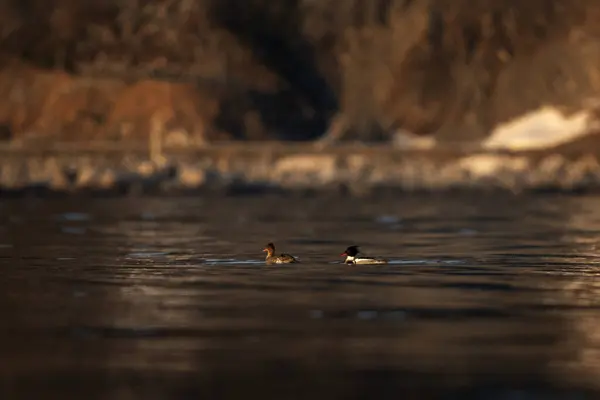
[(289, 70), (433, 76)]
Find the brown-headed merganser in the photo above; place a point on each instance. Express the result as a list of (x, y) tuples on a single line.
[(353, 257), (280, 259)]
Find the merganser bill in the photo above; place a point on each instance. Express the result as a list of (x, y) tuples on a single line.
[(353, 257), (280, 259)]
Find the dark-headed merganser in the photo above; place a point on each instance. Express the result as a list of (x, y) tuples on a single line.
[(280, 259), (353, 257)]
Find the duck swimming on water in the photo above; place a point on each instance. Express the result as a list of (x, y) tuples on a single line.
[(353, 256), (280, 259)]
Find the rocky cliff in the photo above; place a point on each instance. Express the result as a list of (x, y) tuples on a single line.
[(210, 70)]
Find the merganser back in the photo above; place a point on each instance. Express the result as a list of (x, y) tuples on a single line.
[(280, 259), (353, 257)]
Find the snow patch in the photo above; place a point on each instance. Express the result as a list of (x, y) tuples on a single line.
[(544, 128)]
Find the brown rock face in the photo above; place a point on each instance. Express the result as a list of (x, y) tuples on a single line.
[(258, 69), (49, 103)]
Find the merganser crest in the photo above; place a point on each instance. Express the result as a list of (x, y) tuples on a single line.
[(353, 256)]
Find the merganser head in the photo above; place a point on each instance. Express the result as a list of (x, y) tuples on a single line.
[(270, 249), (351, 251)]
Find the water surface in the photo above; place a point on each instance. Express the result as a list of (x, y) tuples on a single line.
[(486, 296)]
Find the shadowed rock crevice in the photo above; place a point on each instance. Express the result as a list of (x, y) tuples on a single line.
[(273, 34)]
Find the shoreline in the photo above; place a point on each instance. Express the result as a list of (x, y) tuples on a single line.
[(356, 169)]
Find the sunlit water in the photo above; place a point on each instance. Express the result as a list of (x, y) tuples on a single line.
[(486, 296)]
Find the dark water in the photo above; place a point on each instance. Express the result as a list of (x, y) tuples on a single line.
[(486, 296)]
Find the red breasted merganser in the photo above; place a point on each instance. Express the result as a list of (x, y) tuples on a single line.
[(353, 257), (280, 259)]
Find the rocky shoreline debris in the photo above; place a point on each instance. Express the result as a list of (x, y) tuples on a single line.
[(354, 169)]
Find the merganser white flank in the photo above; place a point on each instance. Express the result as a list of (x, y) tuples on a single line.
[(353, 256)]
